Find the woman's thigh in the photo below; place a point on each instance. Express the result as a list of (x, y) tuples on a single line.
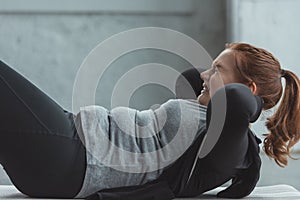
[(39, 146), (24, 106)]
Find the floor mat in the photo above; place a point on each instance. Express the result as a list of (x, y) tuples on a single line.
[(274, 192)]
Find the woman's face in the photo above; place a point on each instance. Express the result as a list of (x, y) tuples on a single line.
[(222, 72)]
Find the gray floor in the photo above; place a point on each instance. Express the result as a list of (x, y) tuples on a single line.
[(271, 174)]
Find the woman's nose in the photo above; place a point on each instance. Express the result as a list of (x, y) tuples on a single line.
[(204, 75)]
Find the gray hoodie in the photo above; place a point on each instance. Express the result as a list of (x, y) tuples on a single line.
[(130, 147)]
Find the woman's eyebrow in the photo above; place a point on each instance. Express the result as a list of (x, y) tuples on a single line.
[(217, 64)]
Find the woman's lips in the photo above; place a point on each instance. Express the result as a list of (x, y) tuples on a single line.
[(205, 88)]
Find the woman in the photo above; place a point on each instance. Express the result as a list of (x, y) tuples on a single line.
[(46, 155)]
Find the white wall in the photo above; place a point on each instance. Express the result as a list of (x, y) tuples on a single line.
[(47, 40)]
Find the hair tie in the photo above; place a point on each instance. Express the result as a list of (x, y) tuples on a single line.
[(283, 72)]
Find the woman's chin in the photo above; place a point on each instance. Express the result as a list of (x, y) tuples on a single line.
[(203, 98)]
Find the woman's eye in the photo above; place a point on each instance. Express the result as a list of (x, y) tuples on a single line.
[(214, 69)]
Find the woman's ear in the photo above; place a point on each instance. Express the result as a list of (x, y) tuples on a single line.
[(253, 87)]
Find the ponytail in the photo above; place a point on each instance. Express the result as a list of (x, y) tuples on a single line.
[(261, 67), (284, 125)]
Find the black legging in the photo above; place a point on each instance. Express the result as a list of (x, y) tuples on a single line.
[(39, 147)]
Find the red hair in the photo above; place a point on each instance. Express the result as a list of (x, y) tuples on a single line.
[(261, 67)]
